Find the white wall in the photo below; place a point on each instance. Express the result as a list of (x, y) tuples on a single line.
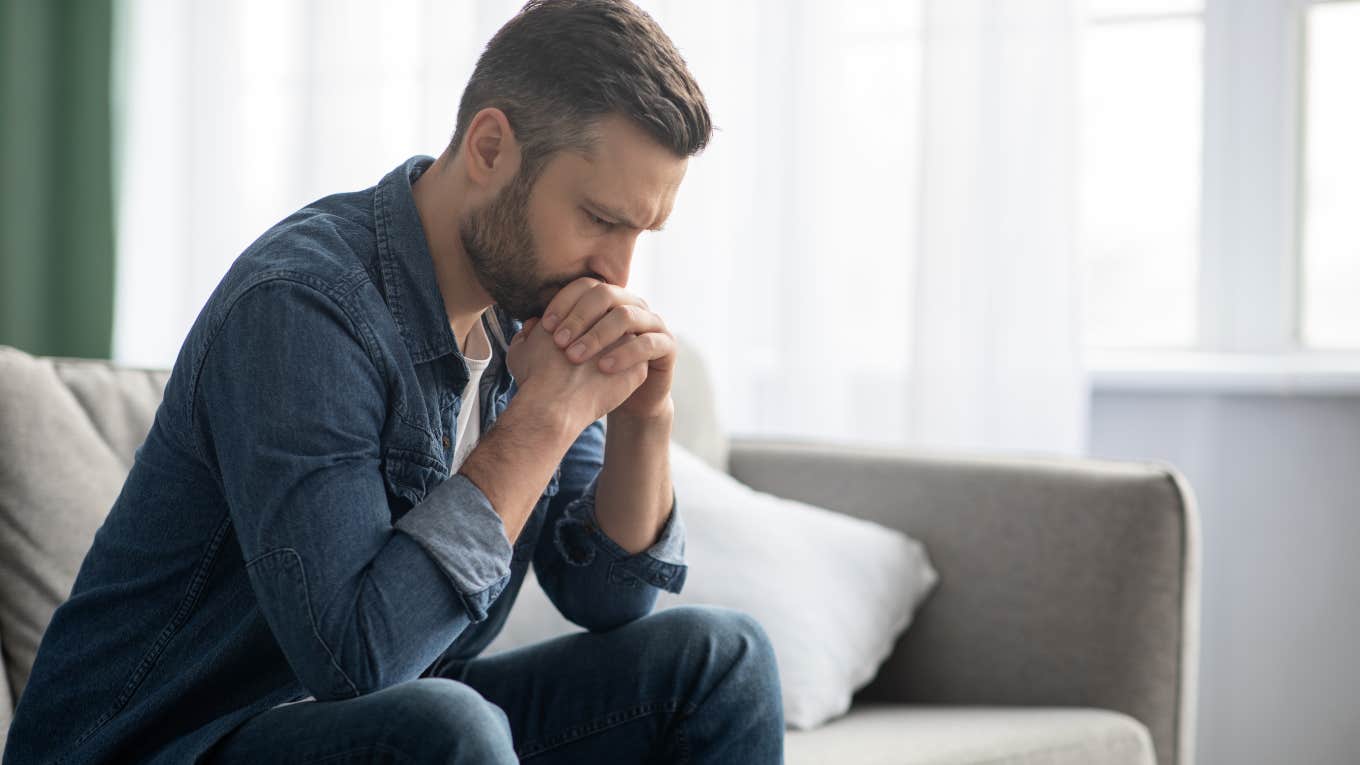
[(1278, 481)]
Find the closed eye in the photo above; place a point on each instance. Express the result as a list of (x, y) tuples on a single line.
[(597, 220)]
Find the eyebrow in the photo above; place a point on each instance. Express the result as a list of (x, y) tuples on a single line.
[(621, 218)]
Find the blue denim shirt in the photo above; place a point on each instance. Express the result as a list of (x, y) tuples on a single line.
[(289, 528)]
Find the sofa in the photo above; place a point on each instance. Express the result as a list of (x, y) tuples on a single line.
[(1063, 628)]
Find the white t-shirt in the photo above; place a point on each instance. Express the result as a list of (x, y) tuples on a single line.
[(469, 426)]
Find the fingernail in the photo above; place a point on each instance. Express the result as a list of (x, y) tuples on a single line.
[(607, 364), (562, 336), (550, 320), (577, 351)]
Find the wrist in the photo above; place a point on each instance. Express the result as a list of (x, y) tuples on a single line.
[(661, 418), (548, 416)]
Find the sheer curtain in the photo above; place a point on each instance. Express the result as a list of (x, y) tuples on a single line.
[(880, 243), (234, 114), (878, 246)]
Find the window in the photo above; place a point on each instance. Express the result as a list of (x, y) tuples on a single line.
[(1221, 175), (1331, 179), (1140, 183)]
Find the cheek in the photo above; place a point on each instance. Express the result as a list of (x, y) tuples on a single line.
[(563, 248), (566, 258), (563, 239)]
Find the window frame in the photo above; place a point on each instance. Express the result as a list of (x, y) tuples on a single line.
[(1249, 333)]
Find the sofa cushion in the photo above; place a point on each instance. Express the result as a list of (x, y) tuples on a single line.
[(927, 735), (68, 430), (832, 592)]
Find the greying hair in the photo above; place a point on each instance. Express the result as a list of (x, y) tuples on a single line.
[(559, 66)]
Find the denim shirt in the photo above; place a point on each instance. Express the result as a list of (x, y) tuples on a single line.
[(289, 528)]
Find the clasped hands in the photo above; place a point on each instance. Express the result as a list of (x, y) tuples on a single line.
[(594, 334)]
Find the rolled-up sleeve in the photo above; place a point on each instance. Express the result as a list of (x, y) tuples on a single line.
[(593, 581), (289, 409), (459, 529)]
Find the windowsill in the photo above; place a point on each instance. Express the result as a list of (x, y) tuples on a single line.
[(1300, 373)]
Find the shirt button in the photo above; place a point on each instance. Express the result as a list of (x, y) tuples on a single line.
[(446, 442)]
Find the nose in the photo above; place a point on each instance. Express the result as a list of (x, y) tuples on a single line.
[(614, 261)]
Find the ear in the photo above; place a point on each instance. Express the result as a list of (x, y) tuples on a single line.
[(492, 153)]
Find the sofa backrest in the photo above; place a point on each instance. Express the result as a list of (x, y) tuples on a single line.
[(69, 429)]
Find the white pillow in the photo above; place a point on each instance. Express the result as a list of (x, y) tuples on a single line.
[(833, 592)]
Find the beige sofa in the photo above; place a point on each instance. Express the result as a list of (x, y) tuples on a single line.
[(1063, 629)]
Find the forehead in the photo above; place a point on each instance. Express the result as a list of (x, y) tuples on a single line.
[(627, 171)]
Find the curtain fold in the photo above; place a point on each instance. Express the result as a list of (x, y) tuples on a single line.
[(56, 184), (996, 361)]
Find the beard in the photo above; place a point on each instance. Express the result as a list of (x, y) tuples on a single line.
[(500, 247)]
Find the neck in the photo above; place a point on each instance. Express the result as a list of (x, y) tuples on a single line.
[(440, 203)]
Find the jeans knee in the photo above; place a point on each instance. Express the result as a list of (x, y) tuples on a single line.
[(446, 716), (735, 669), (735, 638)]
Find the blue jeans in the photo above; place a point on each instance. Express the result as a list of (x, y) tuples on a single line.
[(686, 684)]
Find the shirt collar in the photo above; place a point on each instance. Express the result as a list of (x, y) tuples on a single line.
[(408, 272)]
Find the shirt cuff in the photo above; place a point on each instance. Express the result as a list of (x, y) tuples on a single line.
[(459, 529), (578, 537)]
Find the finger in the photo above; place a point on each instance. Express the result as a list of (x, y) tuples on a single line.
[(565, 298), (588, 309), (618, 321), (644, 348), (627, 336)]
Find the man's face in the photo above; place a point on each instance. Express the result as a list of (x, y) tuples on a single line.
[(580, 218)]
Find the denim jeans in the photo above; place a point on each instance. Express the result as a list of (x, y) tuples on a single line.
[(686, 684)]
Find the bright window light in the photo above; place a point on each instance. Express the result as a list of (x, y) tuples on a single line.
[(1142, 82), (1098, 10), (1331, 201)]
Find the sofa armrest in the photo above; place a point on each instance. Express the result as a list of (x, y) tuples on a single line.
[(1063, 582)]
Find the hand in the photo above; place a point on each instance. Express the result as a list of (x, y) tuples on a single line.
[(591, 319), (580, 392)]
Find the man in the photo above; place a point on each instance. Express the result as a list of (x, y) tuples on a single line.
[(380, 419)]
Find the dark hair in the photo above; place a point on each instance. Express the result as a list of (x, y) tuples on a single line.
[(558, 66)]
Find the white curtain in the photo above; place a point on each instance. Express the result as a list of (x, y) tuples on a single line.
[(234, 114), (878, 246)]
